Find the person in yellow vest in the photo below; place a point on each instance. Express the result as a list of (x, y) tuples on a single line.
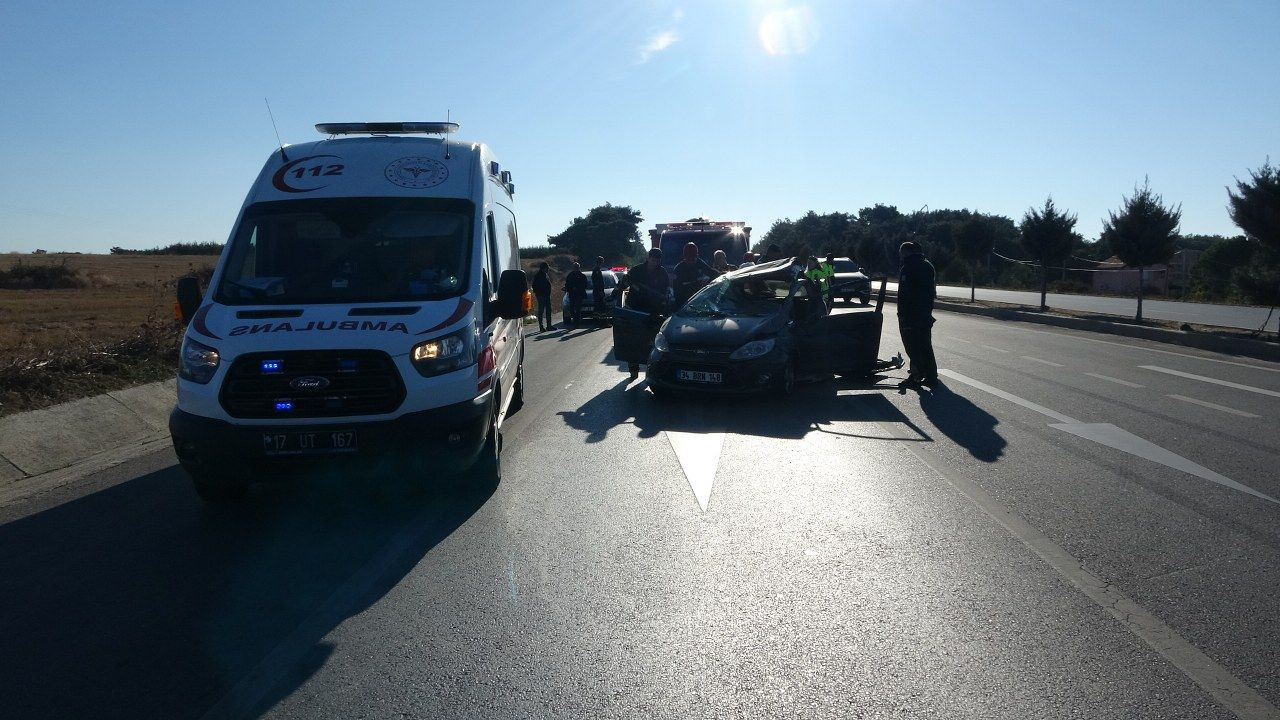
[(821, 274)]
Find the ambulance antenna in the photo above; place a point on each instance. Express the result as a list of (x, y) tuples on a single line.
[(448, 115), (273, 127)]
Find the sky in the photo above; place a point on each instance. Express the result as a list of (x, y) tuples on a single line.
[(139, 124)]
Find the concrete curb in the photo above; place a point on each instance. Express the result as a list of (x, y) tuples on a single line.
[(1257, 349), (42, 441)]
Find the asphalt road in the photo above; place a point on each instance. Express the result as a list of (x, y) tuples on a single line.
[(1063, 529), (1232, 316)]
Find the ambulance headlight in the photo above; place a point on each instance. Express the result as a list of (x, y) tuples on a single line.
[(444, 354), (660, 343), (197, 362), (753, 349)]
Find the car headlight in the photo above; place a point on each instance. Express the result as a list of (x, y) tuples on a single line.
[(197, 362), (753, 349), (660, 343), (445, 353)]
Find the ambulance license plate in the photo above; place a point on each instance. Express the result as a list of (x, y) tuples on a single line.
[(309, 442), (699, 376)]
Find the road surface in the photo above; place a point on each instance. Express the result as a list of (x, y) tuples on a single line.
[(1232, 316), (1070, 526)]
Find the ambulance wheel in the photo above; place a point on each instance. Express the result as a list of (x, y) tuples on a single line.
[(517, 393), (217, 488), (487, 470)]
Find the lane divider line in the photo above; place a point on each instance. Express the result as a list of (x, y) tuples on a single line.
[(1213, 406), (1215, 381), (1117, 381), (1230, 691), (992, 348), (1036, 359)]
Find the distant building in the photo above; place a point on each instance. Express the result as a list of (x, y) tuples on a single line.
[(1180, 266), (1113, 276)]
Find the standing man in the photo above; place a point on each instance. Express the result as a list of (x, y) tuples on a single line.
[(542, 291), (575, 291), (916, 290), (692, 273), (597, 287), (647, 285)]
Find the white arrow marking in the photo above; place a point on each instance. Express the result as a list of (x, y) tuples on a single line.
[(699, 456), (1113, 437), (1125, 441)]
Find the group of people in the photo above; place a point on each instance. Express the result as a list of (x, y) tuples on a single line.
[(575, 293)]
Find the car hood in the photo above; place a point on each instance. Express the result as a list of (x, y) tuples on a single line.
[(730, 332)]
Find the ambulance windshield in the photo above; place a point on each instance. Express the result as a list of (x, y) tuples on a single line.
[(335, 250)]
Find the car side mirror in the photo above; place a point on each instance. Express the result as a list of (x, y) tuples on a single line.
[(189, 297), (513, 285)]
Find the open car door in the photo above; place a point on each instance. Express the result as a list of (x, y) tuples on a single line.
[(846, 343), (633, 333)]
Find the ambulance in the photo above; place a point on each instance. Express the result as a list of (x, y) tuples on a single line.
[(367, 306)]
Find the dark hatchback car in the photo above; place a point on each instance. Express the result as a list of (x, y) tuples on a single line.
[(851, 281), (591, 312), (750, 331)]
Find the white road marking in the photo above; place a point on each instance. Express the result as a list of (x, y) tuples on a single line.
[(1007, 396), (993, 348), (1214, 406), (1036, 359), (1215, 381), (1125, 441), (959, 340), (1113, 437), (566, 387), (1229, 690), (1080, 335), (699, 456), (1117, 381)]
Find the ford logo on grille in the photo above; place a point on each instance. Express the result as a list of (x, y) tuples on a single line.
[(309, 382)]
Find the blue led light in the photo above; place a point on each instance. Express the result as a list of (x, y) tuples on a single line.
[(272, 366), (284, 405)]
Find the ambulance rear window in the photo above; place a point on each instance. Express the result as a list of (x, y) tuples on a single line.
[(349, 250)]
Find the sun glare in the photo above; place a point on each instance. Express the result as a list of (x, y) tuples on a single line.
[(789, 31)]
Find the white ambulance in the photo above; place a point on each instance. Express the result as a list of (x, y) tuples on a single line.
[(368, 304)]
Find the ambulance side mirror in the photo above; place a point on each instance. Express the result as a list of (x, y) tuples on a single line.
[(512, 286), (189, 297)]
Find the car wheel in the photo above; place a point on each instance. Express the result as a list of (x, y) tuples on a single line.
[(217, 488), (865, 298)]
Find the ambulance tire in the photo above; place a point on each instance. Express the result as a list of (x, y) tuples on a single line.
[(487, 470), (517, 393), (216, 488)]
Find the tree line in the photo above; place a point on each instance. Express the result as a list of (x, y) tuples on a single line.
[(992, 249)]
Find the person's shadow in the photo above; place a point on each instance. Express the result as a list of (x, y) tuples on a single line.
[(966, 424)]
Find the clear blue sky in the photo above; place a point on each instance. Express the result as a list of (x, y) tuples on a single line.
[(139, 124)]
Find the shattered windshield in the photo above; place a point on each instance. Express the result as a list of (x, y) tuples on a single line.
[(754, 296)]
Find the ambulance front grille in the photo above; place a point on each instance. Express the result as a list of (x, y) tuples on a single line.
[(311, 384)]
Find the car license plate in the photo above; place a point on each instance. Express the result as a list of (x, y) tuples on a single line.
[(699, 376), (309, 442)]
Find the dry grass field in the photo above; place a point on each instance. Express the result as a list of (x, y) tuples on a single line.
[(121, 293), (115, 331)]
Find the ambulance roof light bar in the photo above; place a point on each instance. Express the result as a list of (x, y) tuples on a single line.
[(388, 128)]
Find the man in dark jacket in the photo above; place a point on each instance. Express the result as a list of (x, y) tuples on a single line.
[(575, 291), (692, 273), (647, 285), (542, 291), (916, 290), (597, 287)]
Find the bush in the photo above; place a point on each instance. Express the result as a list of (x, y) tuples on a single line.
[(1070, 286), (39, 277), (536, 252), (189, 248)]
